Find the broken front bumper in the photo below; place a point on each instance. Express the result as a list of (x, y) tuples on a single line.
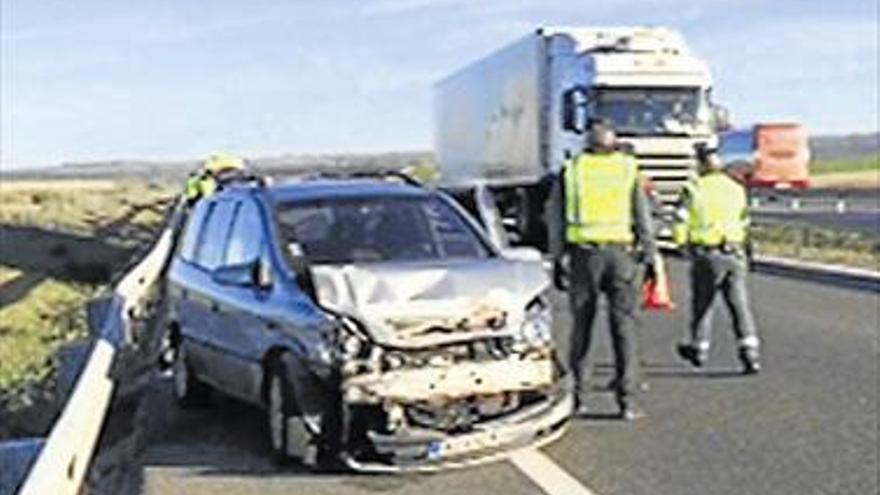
[(430, 450)]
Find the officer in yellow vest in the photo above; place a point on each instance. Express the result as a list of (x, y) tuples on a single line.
[(606, 217), (217, 169), (713, 222)]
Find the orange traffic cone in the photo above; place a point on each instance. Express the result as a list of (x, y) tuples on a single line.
[(656, 295)]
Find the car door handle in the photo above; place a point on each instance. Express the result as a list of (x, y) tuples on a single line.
[(215, 307), (271, 325)]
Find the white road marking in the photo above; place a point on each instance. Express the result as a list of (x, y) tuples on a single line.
[(552, 479)]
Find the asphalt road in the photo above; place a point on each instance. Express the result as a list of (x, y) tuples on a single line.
[(807, 424), (861, 209)]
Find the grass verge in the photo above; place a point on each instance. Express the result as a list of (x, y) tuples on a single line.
[(855, 164), (839, 247)]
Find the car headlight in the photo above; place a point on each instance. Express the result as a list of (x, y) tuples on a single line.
[(538, 322), (351, 342)]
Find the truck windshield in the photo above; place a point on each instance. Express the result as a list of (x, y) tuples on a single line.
[(653, 111), (378, 228)]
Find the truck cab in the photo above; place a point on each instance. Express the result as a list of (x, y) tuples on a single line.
[(511, 120), (650, 87)]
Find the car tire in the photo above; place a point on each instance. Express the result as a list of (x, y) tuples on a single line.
[(289, 438), (189, 392)]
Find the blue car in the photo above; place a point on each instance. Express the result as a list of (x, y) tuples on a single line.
[(372, 318)]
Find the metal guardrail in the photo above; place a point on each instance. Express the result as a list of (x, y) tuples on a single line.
[(64, 460), (856, 278)]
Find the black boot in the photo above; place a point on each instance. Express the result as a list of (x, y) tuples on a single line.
[(629, 411), (692, 354), (580, 406), (750, 360)]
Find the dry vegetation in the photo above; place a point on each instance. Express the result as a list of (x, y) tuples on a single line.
[(60, 242)]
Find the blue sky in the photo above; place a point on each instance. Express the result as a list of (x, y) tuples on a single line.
[(160, 79)]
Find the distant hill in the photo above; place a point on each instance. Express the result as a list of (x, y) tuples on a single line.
[(176, 171), (848, 146), (824, 148)]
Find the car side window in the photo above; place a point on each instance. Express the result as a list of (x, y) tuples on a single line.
[(212, 239), (194, 225), (246, 237), (454, 235)]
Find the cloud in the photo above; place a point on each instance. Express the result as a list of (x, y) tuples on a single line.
[(407, 6), (820, 71), (684, 9), (799, 50)]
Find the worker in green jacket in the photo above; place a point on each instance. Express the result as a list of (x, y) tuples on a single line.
[(713, 223), (217, 169), (606, 218)]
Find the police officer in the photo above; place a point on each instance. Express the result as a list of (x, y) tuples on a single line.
[(713, 221), (217, 170), (606, 217)]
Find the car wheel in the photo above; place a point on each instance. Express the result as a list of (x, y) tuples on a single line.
[(289, 437), (188, 390)]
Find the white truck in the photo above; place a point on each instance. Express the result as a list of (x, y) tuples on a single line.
[(505, 124)]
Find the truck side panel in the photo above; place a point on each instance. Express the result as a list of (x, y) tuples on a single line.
[(489, 118)]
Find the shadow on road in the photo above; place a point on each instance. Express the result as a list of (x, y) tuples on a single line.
[(657, 370)]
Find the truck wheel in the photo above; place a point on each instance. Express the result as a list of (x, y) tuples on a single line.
[(188, 390), (289, 437)]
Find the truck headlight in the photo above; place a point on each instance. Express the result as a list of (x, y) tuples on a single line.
[(538, 322)]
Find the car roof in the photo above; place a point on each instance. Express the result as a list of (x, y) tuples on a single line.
[(305, 190)]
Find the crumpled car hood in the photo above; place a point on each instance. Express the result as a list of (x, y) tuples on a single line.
[(414, 304)]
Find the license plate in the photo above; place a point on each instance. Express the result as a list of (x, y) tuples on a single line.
[(435, 450)]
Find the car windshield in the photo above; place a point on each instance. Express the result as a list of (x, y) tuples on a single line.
[(378, 228), (653, 111)]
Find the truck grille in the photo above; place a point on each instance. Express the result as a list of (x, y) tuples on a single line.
[(668, 174)]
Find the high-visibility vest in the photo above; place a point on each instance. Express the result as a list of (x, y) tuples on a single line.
[(200, 186), (716, 211), (598, 198)]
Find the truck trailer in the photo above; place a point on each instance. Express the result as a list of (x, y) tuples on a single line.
[(506, 124)]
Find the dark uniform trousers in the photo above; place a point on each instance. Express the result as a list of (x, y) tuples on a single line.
[(610, 270), (714, 270)]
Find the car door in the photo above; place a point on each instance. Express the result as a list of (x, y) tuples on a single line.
[(242, 306), (202, 324), (180, 274)]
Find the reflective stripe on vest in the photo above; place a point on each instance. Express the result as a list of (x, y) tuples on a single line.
[(716, 213), (598, 194)]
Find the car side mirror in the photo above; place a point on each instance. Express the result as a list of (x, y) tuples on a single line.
[(721, 120), (574, 109), (262, 274), (241, 275), (253, 274)]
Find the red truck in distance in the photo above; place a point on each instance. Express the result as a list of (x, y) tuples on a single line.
[(769, 155)]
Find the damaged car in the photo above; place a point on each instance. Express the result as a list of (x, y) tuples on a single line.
[(371, 318)]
